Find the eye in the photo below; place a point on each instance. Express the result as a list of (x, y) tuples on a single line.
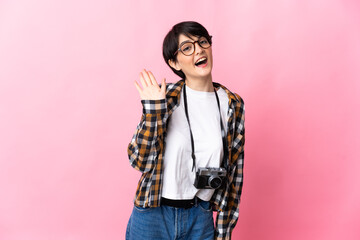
[(186, 48), (204, 41)]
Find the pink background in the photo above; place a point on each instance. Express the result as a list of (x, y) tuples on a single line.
[(68, 109)]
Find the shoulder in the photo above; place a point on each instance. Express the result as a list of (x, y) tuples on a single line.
[(233, 97), (174, 89)]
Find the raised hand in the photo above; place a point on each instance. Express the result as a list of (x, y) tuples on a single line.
[(150, 89)]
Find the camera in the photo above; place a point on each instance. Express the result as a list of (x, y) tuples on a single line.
[(210, 178)]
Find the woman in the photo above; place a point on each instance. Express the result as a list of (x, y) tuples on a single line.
[(189, 146)]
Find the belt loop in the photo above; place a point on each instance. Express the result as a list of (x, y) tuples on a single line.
[(196, 201)]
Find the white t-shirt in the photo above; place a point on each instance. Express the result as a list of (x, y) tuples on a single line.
[(178, 178)]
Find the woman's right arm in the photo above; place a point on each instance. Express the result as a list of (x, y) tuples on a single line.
[(148, 140)]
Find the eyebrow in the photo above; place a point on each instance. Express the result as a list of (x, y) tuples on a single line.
[(187, 41)]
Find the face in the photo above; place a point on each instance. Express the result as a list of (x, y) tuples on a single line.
[(197, 65)]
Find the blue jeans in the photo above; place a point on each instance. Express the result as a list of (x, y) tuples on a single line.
[(170, 223)]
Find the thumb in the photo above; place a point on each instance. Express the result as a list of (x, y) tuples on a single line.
[(163, 85)]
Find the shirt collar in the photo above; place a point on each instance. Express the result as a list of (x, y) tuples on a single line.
[(175, 91)]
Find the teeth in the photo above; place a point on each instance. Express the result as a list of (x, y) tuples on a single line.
[(201, 59)]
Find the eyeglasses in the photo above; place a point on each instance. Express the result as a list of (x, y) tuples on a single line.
[(188, 48)]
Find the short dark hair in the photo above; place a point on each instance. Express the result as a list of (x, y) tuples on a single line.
[(171, 40)]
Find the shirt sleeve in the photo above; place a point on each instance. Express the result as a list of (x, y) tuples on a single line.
[(227, 218), (147, 141)]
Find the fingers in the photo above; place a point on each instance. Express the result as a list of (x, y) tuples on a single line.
[(138, 87), (147, 78), (152, 78), (149, 88), (142, 80)]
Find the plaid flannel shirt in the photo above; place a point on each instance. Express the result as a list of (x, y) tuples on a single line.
[(146, 151)]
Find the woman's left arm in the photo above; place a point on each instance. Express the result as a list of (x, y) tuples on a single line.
[(227, 219)]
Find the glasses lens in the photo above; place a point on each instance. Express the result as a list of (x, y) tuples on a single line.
[(204, 43), (187, 48)]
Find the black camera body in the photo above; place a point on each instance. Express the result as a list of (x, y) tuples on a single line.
[(210, 178)]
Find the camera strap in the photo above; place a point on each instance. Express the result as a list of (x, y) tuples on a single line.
[(191, 135)]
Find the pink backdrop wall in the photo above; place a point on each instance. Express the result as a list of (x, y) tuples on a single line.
[(68, 109)]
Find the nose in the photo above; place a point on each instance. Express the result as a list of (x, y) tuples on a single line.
[(198, 49)]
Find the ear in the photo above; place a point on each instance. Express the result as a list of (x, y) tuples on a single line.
[(174, 64)]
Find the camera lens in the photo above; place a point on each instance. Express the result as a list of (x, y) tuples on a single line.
[(215, 182)]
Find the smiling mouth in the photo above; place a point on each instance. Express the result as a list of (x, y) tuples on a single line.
[(201, 62)]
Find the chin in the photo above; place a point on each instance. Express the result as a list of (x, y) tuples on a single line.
[(206, 71)]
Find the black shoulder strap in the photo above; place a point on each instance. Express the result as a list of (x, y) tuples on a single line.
[(191, 135)]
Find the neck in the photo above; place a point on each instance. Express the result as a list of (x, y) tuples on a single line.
[(202, 84)]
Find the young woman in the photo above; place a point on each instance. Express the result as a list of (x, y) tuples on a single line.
[(189, 146)]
